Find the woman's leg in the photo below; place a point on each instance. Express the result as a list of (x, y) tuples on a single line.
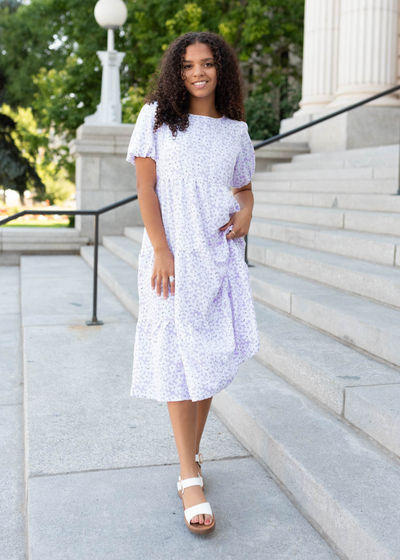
[(203, 408), (184, 420)]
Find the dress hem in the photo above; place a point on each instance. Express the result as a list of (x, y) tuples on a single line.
[(243, 358)]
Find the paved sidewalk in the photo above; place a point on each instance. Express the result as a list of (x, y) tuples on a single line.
[(12, 537), (102, 466)]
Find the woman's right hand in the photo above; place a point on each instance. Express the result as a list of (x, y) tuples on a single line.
[(164, 267)]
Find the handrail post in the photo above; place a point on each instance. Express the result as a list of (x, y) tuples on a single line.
[(245, 252), (94, 320), (398, 175)]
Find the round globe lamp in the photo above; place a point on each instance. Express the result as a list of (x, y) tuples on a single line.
[(110, 14)]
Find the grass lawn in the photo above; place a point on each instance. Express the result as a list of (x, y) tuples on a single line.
[(37, 223)]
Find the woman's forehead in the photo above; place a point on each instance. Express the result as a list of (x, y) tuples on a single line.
[(197, 51)]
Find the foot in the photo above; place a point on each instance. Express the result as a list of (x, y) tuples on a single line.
[(192, 496)]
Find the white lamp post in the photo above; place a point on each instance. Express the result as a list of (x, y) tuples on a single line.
[(109, 14)]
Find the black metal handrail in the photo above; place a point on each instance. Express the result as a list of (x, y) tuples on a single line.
[(325, 118), (97, 213)]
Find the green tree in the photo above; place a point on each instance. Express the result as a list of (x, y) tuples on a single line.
[(50, 63), (25, 162), (16, 170)]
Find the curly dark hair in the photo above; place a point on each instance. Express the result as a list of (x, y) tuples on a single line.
[(167, 86)]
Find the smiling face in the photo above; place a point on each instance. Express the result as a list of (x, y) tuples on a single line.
[(199, 72)]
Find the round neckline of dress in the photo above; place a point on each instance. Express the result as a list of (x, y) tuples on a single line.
[(207, 117)]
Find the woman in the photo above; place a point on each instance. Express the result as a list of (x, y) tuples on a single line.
[(196, 320)]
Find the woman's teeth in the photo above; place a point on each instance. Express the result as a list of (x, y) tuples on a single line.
[(200, 84)]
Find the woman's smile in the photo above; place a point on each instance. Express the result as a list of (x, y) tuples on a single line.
[(200, 84)]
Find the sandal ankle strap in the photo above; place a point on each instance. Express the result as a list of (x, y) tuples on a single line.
[(198, 458), (186, 482)]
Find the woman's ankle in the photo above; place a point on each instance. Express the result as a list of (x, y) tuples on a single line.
[(188, 471)]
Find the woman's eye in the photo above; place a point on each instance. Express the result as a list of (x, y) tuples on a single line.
[(185, 66)]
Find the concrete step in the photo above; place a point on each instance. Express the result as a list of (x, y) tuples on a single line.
[(277, 152), (94, 452), (377, 282), (308, 356), (373, 222), (123, 247), (339, 174), (364, 157), (369, 202), (304, 165), (371, 280), (261, 182), (352, 319), (340, 480), (70, 512), (135, 233), (17, 241), (282, 150), (379, 249), (323, 368), (385, 223), (330, 217), (382, 161), (311, 303), (117, 275), (12, 520)]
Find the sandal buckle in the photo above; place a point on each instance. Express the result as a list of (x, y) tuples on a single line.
[(180, 487)]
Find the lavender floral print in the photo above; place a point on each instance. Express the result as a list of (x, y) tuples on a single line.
[(189, 346)]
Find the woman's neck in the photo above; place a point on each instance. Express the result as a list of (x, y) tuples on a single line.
[(204, 107)]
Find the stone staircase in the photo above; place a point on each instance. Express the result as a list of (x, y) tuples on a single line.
[(320, 403), (16, 241), (88, 472)]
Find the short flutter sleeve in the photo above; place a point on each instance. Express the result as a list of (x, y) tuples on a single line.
[(246, 160), (143, 140)]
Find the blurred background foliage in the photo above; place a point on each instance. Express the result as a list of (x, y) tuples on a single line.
[(50, 75)]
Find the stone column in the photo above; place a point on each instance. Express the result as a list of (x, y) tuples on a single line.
[(368, 50), (320, 57)]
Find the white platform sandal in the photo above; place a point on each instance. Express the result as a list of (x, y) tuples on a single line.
[(199, 459), (203, 508)]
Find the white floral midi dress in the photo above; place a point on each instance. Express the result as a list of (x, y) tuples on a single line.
[(189, 346)]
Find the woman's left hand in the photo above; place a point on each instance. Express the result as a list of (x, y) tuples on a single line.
[(240, 222)]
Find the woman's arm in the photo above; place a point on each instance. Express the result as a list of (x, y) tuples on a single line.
[(240, 221), (146, 179)]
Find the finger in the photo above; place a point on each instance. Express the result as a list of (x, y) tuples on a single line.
[(227, 224), (153, 280), (165, 286), (158, 285), (232, 233)]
